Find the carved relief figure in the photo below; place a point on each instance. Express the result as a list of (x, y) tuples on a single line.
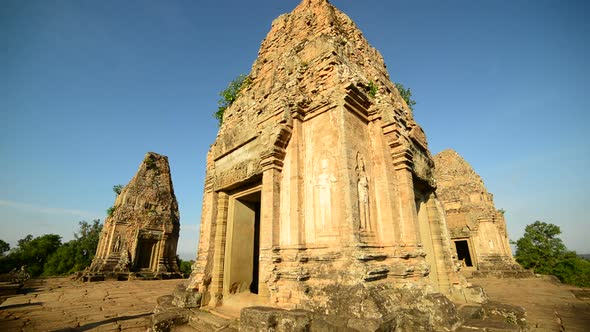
[(323, 186), (363, 194), (117, 246)]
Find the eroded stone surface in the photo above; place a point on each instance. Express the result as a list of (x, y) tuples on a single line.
[(66, 305), (476, 227), (141, 235), (550, 306)]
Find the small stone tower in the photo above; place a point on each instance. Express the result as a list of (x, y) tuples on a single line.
[(477, 228), (141, 233)]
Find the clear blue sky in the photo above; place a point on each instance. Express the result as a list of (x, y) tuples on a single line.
[(88, 87)]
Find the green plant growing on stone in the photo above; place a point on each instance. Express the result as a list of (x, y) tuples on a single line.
[(150, 162), (110, 211), (230, 94), (117, 189), (372, 89), (406, 95)]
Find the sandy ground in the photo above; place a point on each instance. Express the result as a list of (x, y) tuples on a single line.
[(550, 306), (60, 304)]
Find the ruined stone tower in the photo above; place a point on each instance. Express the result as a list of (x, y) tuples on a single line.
[(141, 233), (477, 228), (319, 191)]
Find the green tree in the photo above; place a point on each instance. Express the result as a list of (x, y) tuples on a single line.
[(406, 95), (76, 254), (185, 266), (118, 188), (4, 247), (33, 253), (573, 270), (230, 94), (540, 249)]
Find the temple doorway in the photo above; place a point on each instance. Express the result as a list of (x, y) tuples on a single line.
[(241, 266), (463, 253), (145, 250)]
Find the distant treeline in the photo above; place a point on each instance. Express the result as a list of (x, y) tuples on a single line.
[(46, 255)]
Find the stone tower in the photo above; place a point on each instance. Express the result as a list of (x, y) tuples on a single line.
[(477, 228), (319, 189), (141, 233)]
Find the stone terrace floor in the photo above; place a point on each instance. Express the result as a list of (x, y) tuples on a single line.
[(61, 304), (550, 306)]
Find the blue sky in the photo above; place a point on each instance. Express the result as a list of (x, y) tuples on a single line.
[(88, 87)]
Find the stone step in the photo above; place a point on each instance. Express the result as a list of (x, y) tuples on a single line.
[(205, 321)]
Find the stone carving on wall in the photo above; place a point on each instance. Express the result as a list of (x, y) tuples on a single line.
[(323, 196), (117, 243), (363, 194)]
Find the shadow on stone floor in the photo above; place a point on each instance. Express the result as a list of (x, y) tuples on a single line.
[(20, 305), (94, 325)]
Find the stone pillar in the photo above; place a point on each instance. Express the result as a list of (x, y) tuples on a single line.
[(384, 189), (161, 258), (408, 219), (219, 247), (402, 163), (269, 222), (441, 245), (296, 185)]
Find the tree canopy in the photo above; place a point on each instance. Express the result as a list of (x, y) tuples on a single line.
[(541, 250), (46, 255), (77, 254), (4, 247), (31, 253)]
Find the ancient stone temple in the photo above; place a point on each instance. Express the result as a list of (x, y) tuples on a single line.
[(319, 191), (319, 208), (140, 235), (477, 228)]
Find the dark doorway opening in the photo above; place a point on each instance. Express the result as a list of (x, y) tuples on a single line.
[(144, 253), (256, 253), (463, 252)]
